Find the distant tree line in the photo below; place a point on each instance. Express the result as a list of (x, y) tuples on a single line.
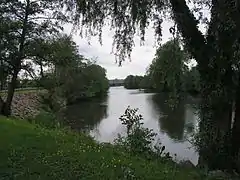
[(133, 82), (168, 72)]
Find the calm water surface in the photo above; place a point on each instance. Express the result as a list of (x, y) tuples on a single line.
[(100, 118)]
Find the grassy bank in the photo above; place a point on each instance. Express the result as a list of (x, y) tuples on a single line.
[(22, 90), (31, 152)]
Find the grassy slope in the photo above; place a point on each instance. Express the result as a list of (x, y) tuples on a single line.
[(29, 152), (22, 90)]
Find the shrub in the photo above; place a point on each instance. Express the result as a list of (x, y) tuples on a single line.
[(46, 119), (139, 139), (214, 147)]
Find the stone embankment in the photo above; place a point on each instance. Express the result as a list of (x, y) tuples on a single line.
[(25, 105)]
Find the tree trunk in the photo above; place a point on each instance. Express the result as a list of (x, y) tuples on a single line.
[(17, 62), (1, 85), (236, 124), (41, 69), (236, 128), (214, 134), (216, 116), (1, 105), (11, 90), (214, 55), (188, 26)]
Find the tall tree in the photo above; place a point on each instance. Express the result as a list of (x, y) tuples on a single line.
[(168, 67), (26, 21), (70, 76), (191, 80)]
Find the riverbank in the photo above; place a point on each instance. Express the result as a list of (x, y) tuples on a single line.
[(31, 152)]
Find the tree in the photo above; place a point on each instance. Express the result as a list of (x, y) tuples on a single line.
[(60, 56), (23, 22), (191, 80), (71, 76), (167, 68), (146, 83), (132, 82), (85, 81)]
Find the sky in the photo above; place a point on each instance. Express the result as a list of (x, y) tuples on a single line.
[(141, 56)]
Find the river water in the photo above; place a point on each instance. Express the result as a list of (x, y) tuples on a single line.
[(174, 128)]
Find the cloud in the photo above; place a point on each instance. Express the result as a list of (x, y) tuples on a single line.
[(141, 56)]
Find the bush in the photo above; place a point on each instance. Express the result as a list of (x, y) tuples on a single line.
[(52, 102), (46, 119), (214, 147), (139, 140)]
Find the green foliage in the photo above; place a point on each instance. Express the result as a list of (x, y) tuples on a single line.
[(167, 67), (52, 101), (125, 18), (138, 82), (72, 77), (191, 80), (146, 83), (23, 83), (86, 82), (169, 72), (46, 119), (22, 24), (214, 146), (132, 82), (30, 152), (139, 140)]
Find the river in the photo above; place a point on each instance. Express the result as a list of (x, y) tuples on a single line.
[(174, 128)]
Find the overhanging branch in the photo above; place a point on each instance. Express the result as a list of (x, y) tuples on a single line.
[(187, 24), (30, 72)]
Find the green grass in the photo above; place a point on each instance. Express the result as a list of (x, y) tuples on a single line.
[(22, 90), (28, 152)]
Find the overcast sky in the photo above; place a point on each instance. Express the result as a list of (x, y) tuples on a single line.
[(141, 57)]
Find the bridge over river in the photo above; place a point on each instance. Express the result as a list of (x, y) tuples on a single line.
[(116, 82)]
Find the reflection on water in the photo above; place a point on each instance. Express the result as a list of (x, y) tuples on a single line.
[(171, 121), (87, 115), (101, 118), (178, 122)]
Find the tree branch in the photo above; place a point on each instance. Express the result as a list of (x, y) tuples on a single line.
[(187, 25), (32, 74)]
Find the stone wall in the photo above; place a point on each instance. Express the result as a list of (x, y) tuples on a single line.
[(25, 104)]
